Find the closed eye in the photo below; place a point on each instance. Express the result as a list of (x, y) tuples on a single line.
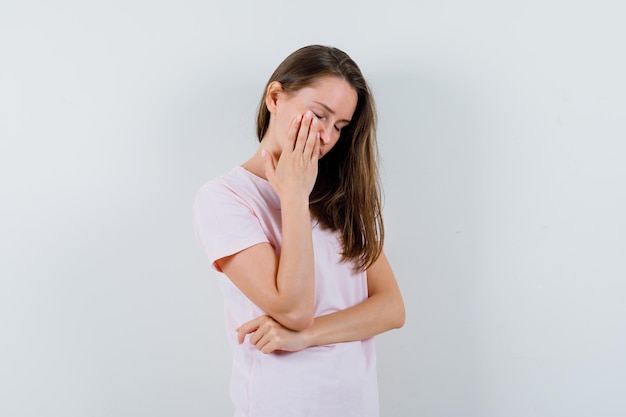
[(323, 118)]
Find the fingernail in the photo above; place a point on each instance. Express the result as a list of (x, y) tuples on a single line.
[(299, 118), (263, 153)]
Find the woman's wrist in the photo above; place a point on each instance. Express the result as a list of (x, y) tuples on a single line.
[(308, 336), (294, 201)]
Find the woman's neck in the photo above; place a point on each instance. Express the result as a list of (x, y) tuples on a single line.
[(256, 164)]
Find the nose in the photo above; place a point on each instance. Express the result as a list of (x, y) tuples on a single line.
[(325, 132)]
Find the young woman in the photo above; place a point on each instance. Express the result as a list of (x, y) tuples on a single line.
[(297, 233)]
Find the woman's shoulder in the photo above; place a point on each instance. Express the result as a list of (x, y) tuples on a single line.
[(231, 181), (230, 177), (238, 184)]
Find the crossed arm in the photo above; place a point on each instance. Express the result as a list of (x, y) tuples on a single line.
[(383, 310)]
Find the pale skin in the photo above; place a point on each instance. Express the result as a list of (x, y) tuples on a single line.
[(304, 125)]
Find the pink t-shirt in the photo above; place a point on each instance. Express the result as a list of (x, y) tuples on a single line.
[(236, 211)]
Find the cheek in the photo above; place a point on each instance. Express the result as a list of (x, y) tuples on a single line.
[(283, 123)]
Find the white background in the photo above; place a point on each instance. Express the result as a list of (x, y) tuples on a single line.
[(503, 157)]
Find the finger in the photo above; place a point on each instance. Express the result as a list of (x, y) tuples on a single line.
[(255, 337), (315, 156), (292, 135), (248, 327), (303, 133), (264, 344), (269, 348), (312, 141), (241, 334), (254, 323), (264, 334), (258, 339)]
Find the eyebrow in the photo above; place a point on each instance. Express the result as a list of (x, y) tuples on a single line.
[(331, 111)]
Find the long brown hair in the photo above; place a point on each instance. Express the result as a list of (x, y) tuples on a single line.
[(347, 194)]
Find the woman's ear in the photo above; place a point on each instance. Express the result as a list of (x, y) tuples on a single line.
[(274, 90)]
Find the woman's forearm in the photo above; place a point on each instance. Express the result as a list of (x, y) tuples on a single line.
[(375, 315), (295, 280), (383, 310), (292, 177)]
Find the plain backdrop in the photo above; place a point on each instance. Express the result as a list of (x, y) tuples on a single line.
[(502, 135)]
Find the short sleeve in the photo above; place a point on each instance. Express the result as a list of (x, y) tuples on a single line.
[(224, 222)]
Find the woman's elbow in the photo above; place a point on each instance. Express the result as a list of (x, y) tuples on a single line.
[(398, 315), (399, 319)]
